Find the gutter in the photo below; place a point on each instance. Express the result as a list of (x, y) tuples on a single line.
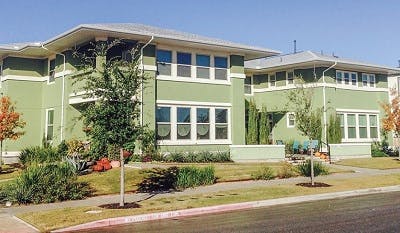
[(62, 93), (141, 86), (324, 96)]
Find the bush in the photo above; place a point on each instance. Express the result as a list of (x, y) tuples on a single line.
[(264, 173), (189, 177), (198, 157), (377, 150), (37, 154), (46, 183), (319, 169), (286, 171), (174, 178), (289, 147)]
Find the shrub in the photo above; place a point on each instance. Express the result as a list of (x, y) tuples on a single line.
[(264, 173), (377, 150), (286, 171), (198, 157), (289, 147), (46, 183), (189, 177), (37, 154), (305, 169)]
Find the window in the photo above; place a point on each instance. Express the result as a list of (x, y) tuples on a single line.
[(359, 126), (351, 126), (184, 61), (203, 66), (221, 67), (49, 124), (163, 119), (373, 126), (272, 80), (221, 123), (52, 72), (126, 55), (203, 123), (290, 117), (290, 78), (368, 80), (347, 78), (164, 60), (183, 123), (362, 126), (247, 85)]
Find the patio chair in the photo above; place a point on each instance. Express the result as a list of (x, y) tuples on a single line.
[(296, 145), (306, 145), (315, 144)]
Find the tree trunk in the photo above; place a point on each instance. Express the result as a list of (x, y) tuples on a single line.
[(312, 164), (122, 179)]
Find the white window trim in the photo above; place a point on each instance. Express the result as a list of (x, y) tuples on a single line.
[(251, 86), (287, 78), (48, 70), (47, 123), (193, 139), (288, 121), (269, 80), (350, 81), (368, 80), (193, 78), (345, 138)]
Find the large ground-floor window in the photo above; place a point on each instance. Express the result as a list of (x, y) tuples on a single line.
[(359, 126), (179, 124)]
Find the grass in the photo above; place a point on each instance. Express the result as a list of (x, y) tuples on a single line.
[(54, 219), (8, 172), (374, 163)]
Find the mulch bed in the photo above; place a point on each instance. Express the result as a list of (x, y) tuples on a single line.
[(316, 185), (131, 205)]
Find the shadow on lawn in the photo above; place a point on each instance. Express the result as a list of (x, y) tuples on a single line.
[(159, 180)]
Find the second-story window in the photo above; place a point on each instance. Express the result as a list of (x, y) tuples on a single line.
[(221, 67), (52, 70), (247, 85), (368, 80), (184, 67), (164, 60), (272, 80), (290, 78), (203, 66), (347, 78)]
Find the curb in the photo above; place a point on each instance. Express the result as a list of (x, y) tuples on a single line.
[(225, 208)]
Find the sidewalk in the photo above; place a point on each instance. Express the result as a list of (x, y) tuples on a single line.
[(135, 197)]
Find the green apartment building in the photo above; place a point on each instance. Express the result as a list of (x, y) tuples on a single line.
[(195, 99)]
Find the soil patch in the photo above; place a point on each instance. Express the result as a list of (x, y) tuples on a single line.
[(316, 185), (131, 205)]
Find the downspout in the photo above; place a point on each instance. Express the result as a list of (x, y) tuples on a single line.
[(141, 86), (324, 96), (62, 93)]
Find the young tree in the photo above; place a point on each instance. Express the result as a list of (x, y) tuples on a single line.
[(308, 117), (11, 124), (264, 127), (391, 120), (252, 125), (334, 132), (116, 85)]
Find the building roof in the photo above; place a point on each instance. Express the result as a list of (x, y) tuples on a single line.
[(133, 29), (309, 58)]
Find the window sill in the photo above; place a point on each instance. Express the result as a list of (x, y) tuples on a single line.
[(193, 80), (193, 143)]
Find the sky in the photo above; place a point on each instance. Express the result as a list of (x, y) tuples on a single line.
[(361, 30)]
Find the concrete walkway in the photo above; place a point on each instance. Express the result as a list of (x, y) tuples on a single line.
[(7, 214)]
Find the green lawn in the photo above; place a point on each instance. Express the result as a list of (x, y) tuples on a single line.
[(8, 172), (374, 163), (54, 219)]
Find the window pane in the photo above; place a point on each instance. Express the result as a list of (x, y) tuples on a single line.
[(183, 131), (184, 71), (50, 117), (272, 80), (49, 133), (164, 69), (220, 62), (203, 60), (221, 115), (351, 120), (248, 80), (372, 79), (221, 74), (353, 78), (203, 115), (372, 120), (362, 120), (163, 131), (52, 65), (184, 58), (221, 131), (203, 131), (363, 132), (164, 56), (247, 89), (351, 132), (346, 78), (339, 77), (183, 115), (163, 114), (341, 118), (365, 79), (290, 76), (203, 72)]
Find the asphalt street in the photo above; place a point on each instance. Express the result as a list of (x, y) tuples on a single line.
[(369, 213)]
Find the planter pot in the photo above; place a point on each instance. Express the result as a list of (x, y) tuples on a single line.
[(98, 168), (126, 154), (104, 160), (115, 163), (107, 166)]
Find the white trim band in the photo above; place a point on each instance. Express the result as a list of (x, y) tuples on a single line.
[(193, 103), (257, 146), (340, 110), (237, 75), (193, 80)]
